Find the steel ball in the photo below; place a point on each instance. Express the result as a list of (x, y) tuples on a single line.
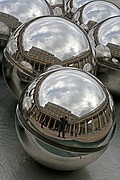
[(106, 39), (88, 106), (41, 43)]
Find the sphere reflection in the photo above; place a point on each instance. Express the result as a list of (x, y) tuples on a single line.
[(14, 12), (57, 6), (71, 6), (107, 45), (47, 41), (90, 118), (94, 12)]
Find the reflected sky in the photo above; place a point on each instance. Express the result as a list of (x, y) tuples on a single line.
[(57, 36), (111, 36), (78, 3), (98, 11), (25, 10), (72, 89)]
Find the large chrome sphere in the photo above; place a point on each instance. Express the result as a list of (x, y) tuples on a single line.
[(106, 38), (14, 12), (90, 111), (43, 42), (94, 12)]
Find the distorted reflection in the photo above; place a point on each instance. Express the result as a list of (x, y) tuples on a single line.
[(57, 6), (72, 6), (43, 42), (25, 10), (107, 45), (93, 12), (111, 36), (27, 104), (56, 36), (49, 120), (77, 92)]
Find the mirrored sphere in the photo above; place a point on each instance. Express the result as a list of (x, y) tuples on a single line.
[(89, 108), (94, 12), (57, 6), (43, 42), (14, 12), (106, 37)]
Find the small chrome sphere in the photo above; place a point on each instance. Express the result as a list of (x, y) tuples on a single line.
[(94, 12), (106, 39), (43, 42), (14, 12), (90, 124), (57, 6)]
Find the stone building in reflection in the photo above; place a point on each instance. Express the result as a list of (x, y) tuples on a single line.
[(40, 60), (91, 126)]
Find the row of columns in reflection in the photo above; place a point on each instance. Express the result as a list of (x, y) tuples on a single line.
[(90, 125)]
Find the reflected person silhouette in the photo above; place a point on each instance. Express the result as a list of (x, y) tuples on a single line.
[(62, 125)]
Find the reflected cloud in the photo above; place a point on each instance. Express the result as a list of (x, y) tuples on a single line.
[(113, 35), (57, 36), (25, 10), (74, 91), (98, 11)]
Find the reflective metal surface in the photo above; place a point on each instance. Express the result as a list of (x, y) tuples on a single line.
[(107, 45), (79, 87), (71, 6), (94, 12), (13, 13), (15, 163), (43, 42), (57, 6), (25, 10), (90, 113)]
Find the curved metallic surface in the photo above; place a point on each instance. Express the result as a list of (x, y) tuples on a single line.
[(25, 10), (13, 13), (113, 35), (71, 6), (51, 37), (73, 90), (96, 11), (57, 6), (12, 79), (100, 36), (110, 78), (43, 42), (52, 34), (65, 160), (91, 122), (107, 45)]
